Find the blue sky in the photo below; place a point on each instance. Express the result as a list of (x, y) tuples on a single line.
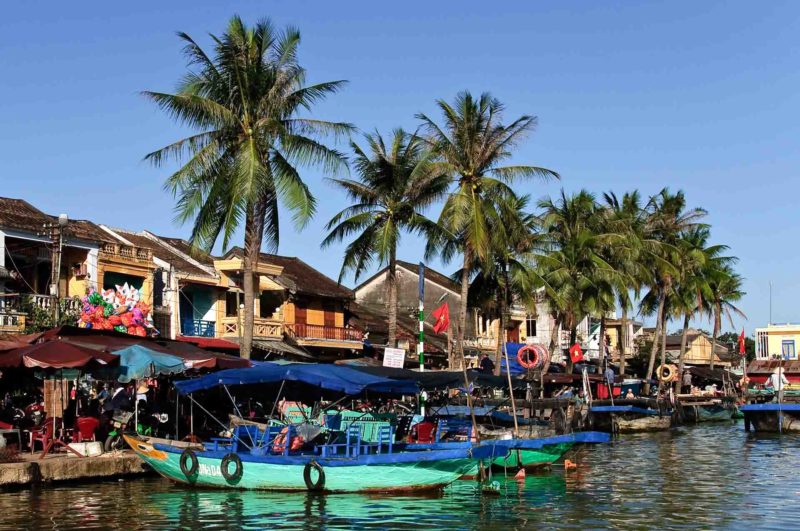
[(698, 96)]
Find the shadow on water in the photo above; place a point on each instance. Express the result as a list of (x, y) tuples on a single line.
[(707, 476)]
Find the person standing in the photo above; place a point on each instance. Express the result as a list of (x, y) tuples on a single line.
[(686, 382), (487, 365), (778, 381)]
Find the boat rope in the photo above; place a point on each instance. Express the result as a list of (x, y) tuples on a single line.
[(224, 427)]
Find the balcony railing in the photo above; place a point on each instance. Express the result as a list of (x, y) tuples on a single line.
[(126, 252), (19, 302), (261, 327), (336, 333), (198, 328), (481, 342)]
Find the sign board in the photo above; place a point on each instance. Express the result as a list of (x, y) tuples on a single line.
[(394, 357)]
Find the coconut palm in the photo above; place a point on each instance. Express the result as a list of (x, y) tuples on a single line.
[(242, 163), (508, 276), (395, 184), (473, 144), (627, 218), (581, 282), (725, 288), (668, 218)]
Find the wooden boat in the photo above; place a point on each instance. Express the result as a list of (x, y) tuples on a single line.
[(771, 417), (705, 409), (373, 472), (630, 416)]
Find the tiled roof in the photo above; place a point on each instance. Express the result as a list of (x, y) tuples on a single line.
[(21, 215), (431, 275), (163, 253), (299, 277), (187, 249)]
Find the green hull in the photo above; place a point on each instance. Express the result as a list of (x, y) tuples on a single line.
[(341, 475), (547, 455)]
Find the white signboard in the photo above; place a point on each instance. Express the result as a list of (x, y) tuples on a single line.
[(394, 357)]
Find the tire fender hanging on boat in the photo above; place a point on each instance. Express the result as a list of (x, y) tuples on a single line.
[(320, 483), (236, 475), (191, 457)]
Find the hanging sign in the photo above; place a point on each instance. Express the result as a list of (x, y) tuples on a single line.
[(394, 357)]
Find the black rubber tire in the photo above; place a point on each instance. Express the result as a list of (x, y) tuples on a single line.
[(189, 455), (113, 442), (237, 473), (320, 484)]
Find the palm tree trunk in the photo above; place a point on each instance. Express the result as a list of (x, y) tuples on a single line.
[(501, 336), (663, 340), (623, 340), (252, 249), (601, 350), (391, 280), (462, 311), (679, 381), (553, 341), (714, 338), (657, 336)]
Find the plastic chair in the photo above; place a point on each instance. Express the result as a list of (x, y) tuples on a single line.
[(86, 428), (422, 432), (352, 444), (385, 436), (44, 433)]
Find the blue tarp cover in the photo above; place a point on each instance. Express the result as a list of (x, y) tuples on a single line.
[(770, 406), (331, 377), (137, 362)]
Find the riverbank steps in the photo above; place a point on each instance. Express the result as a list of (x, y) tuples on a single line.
[(31, 471)]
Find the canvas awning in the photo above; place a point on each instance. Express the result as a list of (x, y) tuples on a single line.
[(281, 348), (55, 354), (330, 377), (137, 362)]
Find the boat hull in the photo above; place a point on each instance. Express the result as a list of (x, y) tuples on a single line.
[(373, 473), (707, 413), (772, 417), (533, 459), (628, 419)]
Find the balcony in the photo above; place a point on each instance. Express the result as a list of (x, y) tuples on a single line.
[(198, 328), (14, 309), (261, 327), (126, 253), (482, 343), (302, 331)]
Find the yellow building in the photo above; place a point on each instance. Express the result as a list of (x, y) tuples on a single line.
[(698, 349), (777, 340)]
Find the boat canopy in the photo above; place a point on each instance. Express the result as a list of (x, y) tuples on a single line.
[(330, 377), (434, 380)]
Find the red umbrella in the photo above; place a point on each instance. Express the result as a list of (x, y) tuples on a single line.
[(55, 354)]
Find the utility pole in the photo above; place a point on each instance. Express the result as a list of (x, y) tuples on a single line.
[(56, 232), (421, 342)]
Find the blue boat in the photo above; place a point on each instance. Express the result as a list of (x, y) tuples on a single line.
[(771, 417)]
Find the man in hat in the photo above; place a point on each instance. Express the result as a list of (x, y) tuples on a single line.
[(778, 381)]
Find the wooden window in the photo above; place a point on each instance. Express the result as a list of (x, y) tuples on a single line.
[(530, 326)]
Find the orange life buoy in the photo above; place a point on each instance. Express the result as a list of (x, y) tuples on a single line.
[(279, 444), (526, 360)]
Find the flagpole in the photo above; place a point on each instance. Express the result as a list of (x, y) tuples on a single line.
[(421, 342)]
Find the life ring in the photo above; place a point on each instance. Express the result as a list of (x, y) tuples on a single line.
[(318, 485), (236, 475), (667, 373), (525, 359), (279, 444), (189, 471)]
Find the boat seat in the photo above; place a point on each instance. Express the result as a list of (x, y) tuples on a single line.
[(352, 445), (454, 428)]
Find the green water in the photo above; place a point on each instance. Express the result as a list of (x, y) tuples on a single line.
[(699, 477)]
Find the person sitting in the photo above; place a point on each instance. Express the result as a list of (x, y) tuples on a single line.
[(630, 394), (487, 365)]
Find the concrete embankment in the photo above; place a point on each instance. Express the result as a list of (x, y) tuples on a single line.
[(61, 468)]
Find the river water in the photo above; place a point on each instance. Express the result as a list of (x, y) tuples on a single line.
[(706, 477)]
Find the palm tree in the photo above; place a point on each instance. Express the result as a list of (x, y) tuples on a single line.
[(581, 281), (692, 290), (668, 218), (472, 144), (243, 101), (626, 218), (508, 276), (725, 287), (395, 184)]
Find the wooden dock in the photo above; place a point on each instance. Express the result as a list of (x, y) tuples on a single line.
[(30, 470)]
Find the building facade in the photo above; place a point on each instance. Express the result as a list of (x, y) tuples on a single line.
[(776, 341)]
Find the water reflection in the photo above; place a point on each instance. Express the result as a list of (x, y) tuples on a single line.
[(704, 476)]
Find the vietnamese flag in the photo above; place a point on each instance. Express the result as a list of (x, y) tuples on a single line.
[(442, 316), (575, 353), (741, 342)]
